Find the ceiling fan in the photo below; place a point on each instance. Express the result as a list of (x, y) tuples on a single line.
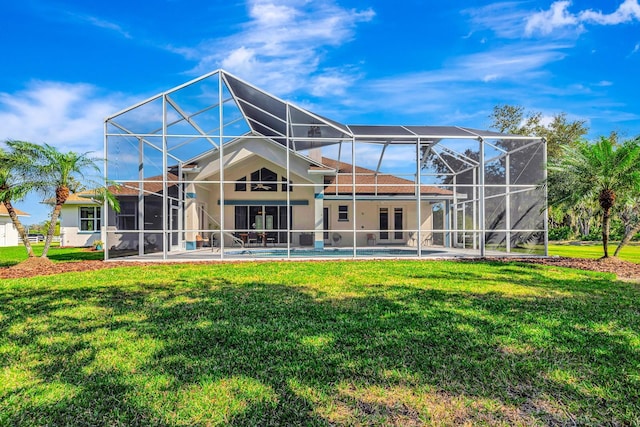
[(261, 186)]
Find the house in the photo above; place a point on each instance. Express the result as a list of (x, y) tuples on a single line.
[(218, 163), (8, 233), (80, 220), (81, 217)]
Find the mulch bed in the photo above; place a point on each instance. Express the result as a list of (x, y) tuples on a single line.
[(624, 270), (43, 267)]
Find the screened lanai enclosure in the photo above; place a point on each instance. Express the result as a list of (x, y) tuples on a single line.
[(219, 169)]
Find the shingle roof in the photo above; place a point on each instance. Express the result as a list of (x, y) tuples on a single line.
[(366, 181), (151, 185), (4, 212), (81, 198)]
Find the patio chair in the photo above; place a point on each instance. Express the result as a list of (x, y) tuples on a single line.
[(252, 237), (337, 238), (271, 238), (371, 239)]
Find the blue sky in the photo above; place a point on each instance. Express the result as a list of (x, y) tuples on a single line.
[(68, 64)]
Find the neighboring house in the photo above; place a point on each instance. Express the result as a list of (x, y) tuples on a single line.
[(80, 220), (8, 233)]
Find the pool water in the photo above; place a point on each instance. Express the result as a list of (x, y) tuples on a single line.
[(329, 252)]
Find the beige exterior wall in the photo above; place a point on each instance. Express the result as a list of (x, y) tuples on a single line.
[(367, 218), (203, 214), (70, 234), (253, 155), (209, 195)]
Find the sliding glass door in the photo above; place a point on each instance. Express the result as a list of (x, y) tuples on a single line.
[(266, 219), (391, 222)]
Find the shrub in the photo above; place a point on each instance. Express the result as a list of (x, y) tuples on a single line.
[(560, 233)]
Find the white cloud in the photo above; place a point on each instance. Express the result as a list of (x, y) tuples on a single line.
[(97, 22), (68, 116), (101, 23), (604, 83), (510, 63), (548, 20), (271, 15), (503, 18), (626, 12), (558, 16), (330, 83), (281, 47)]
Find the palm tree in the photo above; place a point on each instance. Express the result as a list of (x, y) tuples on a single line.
[(63, 173), (601, 171), (14, 186)]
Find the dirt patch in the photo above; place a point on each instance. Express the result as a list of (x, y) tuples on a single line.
[(624, 270)]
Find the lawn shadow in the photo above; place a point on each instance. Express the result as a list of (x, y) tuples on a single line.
[(86, 255), (211, 351)]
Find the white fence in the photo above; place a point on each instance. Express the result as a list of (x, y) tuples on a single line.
[(38, 239)]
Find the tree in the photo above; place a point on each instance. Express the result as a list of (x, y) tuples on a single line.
[(63, 172), (14, 186), (630, 214), (600, 171), (558, 133)]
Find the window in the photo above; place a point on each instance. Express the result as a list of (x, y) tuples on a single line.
[(241, 184), (264, 180), (241, 218), (397, 222), (343, 213), (384, 223), (285, 186), (90, 218), (127, 218)]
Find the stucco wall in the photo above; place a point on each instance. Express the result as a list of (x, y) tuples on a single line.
[(303, 190), (8, 233), (70, 234), (366, 217)]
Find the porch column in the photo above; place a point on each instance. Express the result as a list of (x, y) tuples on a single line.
[(318, 215), (191, 217)]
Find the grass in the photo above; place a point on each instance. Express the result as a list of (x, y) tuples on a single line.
[(589, 250), (332, 343), (14, 254)]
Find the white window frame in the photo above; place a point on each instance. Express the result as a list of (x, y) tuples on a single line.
[(343, 215), (122, 215), (97, 220)]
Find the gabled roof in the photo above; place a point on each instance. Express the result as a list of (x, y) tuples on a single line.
[(4, 212), (369, 183)]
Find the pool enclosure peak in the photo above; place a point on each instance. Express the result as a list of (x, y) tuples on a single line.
[(218, 163)]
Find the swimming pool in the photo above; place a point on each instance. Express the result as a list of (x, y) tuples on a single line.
[(328, 253)]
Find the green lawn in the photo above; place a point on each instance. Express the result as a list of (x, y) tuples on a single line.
[(321, 343), (14, 254), (590, 250)]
